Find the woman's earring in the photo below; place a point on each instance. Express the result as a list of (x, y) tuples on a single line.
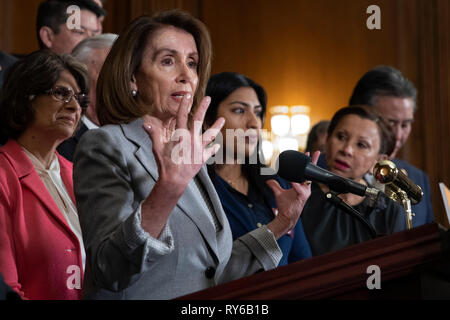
[(134, 93)]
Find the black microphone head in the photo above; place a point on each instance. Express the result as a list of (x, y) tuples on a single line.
[(292, 164)]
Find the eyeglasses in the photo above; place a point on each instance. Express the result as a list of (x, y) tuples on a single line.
[(65, 94), (85, 31)]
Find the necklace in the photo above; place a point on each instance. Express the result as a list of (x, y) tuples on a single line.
[(240, 185)]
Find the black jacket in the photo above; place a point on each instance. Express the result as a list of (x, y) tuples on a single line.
[(67, 148)]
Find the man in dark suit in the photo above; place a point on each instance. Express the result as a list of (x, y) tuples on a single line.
[(92, 52), (54, 28), (394, 97), (6, 61)]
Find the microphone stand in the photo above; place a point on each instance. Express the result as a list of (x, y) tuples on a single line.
[(400, 196), (333, 198)]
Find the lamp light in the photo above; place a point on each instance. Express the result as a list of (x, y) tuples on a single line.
[(300, 121), (267, 150), (280, 124), (287, 143), (280, 121)]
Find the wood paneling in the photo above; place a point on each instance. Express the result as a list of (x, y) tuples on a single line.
[(309, 52), (18, 25), (5, 22), (404, 258), (433, 114), (121, 12), (302, 52), (313, 53)]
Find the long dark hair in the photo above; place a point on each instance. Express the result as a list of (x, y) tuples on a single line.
[(219, 87)]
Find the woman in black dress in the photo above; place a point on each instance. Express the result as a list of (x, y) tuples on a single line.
[(357, 139)]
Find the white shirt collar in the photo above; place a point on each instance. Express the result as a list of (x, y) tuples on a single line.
[(88, 123)]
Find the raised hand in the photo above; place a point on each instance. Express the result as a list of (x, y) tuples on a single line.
[(179, 147), (290, 203), (180, 151)]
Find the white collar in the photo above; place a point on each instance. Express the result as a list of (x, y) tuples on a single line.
[(88, 123), (39, 166)]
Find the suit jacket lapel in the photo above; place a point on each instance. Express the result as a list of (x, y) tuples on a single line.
[(134, 132), (66, 172), (199, 213), (31, 180), (213, 196), (196, 210), (224, 236), (34, 183)]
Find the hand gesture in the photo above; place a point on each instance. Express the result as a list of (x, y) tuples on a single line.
[(179, 147), (290, 203)]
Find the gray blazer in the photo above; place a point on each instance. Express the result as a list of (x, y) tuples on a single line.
[(114, 171)]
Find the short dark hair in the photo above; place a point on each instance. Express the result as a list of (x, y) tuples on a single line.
[(221, 85), (319, 128), (387, 138), (382, 81), (32, 75), (53, 13)]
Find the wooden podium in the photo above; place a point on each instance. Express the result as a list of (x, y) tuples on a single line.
[(403, 258)]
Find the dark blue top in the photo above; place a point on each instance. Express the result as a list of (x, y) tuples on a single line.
[(247, 212), (423, 212)]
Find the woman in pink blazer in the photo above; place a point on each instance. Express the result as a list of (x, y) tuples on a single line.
[(41, 247)]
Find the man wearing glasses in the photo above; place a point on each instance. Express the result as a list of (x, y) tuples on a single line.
[(55, 28), (92, 52), (394, 98)]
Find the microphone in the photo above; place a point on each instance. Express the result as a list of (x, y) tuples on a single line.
[(387, 173), (295, 166)]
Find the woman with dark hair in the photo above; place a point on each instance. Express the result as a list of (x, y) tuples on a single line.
[(248, 195), (152, 222), (357, 139), (317, 137), (41, 246)]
